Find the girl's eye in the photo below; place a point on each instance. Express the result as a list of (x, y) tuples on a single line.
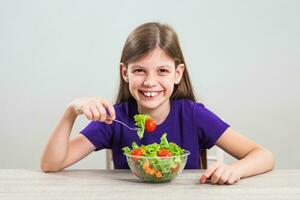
[(163, 71), (138, 71)]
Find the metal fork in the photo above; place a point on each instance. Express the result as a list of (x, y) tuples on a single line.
[(115, 120)]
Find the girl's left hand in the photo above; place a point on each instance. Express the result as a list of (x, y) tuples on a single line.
[(219, 173)]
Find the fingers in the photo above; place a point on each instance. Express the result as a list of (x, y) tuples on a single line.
[(95, 109), (95, 112), (101, 113), (225, 176), (86, 111), (220, 174), (206, 176), (232, 179), (211, 169), (107, 112), (216, 176), (203, 179), (110, 109)]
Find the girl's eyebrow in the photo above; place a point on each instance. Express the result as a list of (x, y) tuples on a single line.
[(137, 66), (160, 66)]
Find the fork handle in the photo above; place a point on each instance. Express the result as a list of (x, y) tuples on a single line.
[(135, 129)]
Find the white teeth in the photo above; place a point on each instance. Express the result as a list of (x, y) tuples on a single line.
[(150, 94), (154, 94)]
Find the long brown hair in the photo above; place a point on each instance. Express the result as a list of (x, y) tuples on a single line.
[(144, 39)]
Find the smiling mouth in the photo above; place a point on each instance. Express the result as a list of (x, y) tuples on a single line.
[(149, 94)]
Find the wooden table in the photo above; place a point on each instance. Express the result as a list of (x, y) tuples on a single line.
[(121, 184)]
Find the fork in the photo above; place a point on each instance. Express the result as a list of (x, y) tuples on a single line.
[(134, 129), (80, 112)]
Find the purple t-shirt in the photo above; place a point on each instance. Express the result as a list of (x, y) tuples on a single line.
[(188, 124)]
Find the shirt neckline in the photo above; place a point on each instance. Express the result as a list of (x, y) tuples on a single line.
[(165, 123)]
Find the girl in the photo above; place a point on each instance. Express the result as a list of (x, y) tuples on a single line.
[(154, 80)]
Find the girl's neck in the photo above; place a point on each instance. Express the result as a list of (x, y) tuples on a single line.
[(158, 114)]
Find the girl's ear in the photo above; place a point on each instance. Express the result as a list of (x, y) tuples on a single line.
[(124, 72), (179, 72)]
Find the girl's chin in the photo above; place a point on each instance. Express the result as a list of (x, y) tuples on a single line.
[(150, 105)]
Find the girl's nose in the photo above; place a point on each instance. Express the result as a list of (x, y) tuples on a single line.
[(149, 81)]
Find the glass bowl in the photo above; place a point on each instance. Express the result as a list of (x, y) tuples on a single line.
[(157, 169)]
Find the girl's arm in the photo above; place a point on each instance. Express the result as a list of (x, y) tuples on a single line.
[(252, 158), (62, 152)]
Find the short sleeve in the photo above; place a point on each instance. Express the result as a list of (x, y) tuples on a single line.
[(209, 126), (99, 134)]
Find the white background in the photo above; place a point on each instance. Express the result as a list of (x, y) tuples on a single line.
[(243, 57)]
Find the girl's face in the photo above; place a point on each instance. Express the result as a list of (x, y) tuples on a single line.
[(151, 79)]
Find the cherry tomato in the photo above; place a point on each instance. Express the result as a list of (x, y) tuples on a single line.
[(150, 125), (164, 153), (136, 152)]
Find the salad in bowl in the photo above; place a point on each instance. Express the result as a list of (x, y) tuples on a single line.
[(156, 163)]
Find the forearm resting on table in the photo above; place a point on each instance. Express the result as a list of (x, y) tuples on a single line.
[(257, 161), (57, 148)]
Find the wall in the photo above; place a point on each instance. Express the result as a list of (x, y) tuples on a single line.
[(243, 57)]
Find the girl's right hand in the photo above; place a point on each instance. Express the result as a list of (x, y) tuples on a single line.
[(94, 108)]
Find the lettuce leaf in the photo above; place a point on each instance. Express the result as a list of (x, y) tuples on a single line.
[(140, 121)]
